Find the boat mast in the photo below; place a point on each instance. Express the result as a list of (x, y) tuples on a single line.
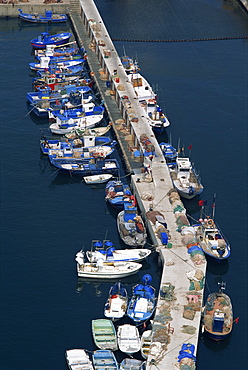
[(213, 206)]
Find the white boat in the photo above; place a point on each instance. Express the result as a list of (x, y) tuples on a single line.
[(141, 87), (78, 359), (95, 131), (109, 254), (128, 339), (185, 179), (146, 341), (132, 364), (102, 270), (97, 179), (131, 227), (116, 304), (100, 151), (129, 64), (157, 119)]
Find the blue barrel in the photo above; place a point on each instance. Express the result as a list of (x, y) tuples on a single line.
[(108, 84)]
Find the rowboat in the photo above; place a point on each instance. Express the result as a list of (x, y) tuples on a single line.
[(104, 360), (101, 270), (128, 339), (117, 193), (97, 179), (95, 131), (104, 334), (132, 364), (49, 17), (78, 359)]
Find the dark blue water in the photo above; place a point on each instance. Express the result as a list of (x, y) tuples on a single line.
[(46, 217)]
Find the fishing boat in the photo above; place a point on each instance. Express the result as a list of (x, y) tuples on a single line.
[(142, 88), (130, 65), (146, 341), (128, 339), (156, 118), (50, 81), (143, 302), (107, 252), (186, 357), (169, 152), (116, 304), (101, 270), (67, 151), (48, 63), (50, 146), (95, 131), (61, 71), (88, 116), (104, 334), (117, 194), (217, 317), (70, 97), (54, 51), (78, 359), (211, 239), (132, 364), (131, 227), (45, 39), (48, 17), (104, 359), (185, 179), (85, 166), (97, 179)]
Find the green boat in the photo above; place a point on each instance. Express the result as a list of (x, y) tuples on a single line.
[(104, 334)]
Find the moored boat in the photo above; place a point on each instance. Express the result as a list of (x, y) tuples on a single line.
[(107, 252), (85, 166), (131, 227), (101, 270), (132, 364), (97, 179), (156, 118), (141, 86), (54, 51), (104, 334), (78, 359), (48, 17), (117, 193), (47, 63), (185, 179), (128, 339), (218, 315), (95, 131), (116, 304), (104, 359), (143, 302), (45, 39)]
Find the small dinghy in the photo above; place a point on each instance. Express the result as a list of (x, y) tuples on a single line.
[(45, 39), (117, 194), (48, 17), (218, 315), (95, 131), (104, 360), (104, 334), (146, 341), (116, 304), (97, 179), (105, 251), (101, 270), (128, 339), (143, 302), (132, 364), (131, 227), (78, 359)]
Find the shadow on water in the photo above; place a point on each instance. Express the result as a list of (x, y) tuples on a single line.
[(213, 345), (217, 269)]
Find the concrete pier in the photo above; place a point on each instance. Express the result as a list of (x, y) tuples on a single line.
[(176, 320)]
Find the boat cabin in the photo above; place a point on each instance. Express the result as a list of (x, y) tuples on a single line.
[(130, 212)]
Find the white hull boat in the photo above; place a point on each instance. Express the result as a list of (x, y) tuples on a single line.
[(77, 359), (128, 339), (117, 255), (97, 179), (101, 270), (141, 87), (116, 305)]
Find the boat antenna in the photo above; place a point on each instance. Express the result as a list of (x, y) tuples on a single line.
[(213, 206), (124, 51), (105, 238)]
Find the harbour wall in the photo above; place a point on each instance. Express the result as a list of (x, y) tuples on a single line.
[(11, 10)]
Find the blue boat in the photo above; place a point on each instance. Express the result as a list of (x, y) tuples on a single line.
[(85, 142), (54, 51), (169, 152), (49, 17), (52, 82), (104, 359), (117, 194), (70, 97), (85, 166), (45, 39), (143, 302), (46, 63)]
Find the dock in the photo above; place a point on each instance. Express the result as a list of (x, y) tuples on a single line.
[(178, 313)]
